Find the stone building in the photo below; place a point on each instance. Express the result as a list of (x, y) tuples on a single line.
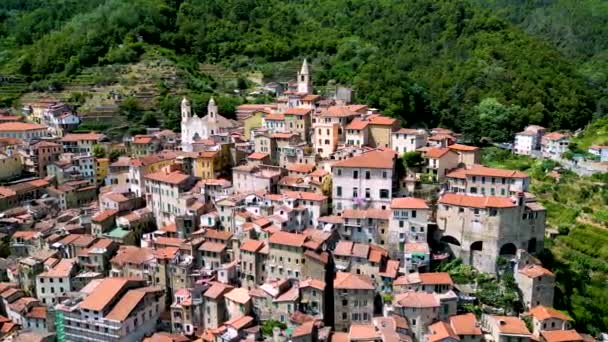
[(537, 285), (353, 300), (479, 229)]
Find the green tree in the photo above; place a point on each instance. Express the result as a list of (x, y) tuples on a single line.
[(99, 151), (412, 159)]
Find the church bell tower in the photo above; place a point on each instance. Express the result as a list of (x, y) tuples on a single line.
[(304, 82)]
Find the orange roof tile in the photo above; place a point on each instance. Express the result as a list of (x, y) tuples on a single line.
[(252, 245), (533, 271), (365, 332), (357, 124), (373, 160), (287, 239), (216, 290), (436, 278), (480, 170), (382, 120), (351, 281), (435, 152), (104, 215), (19, 127), (372, 213), (476, 201), (38, 312), (465, 324), (554, 136), (510, 325), (126, 305), (103, 294), (214, 247), (416, 300), (542, 313), (239, 295), (408, 203), (304, 168), (275, 117), (314, 283), (175, 177), (239, 322), (440, 331), (463, 148), (303, 329), (297, 111), (257, 156), (72, 137), (307, 196), (561, 336), (218, 234)]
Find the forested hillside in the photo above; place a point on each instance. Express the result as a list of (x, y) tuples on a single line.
[(426, 61)]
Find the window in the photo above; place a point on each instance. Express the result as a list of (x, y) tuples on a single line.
[(355, 174), (355, 192), (339, 191), (413, 213), (339, 171), (367, 193), (367, 175), (384, 174), (400, 224), (384, 193)]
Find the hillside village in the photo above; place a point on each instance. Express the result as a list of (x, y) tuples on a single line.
[(306, 219)]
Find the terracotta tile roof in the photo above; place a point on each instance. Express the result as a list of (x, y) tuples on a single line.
[(339, 337), (171, 228), (534, 271), (416, 300), (303, 329), (332, 219), (351, 281), (510, 325), (38, 312), (239, 322), (26, 234), (344, 248), (542, 313), (440, 331), (62, 269), (311, 97), (307, 196), (318, 173), (438, 137), (290, 295), (372, 213), (343, 111), (480, 170), (476, 201), (554, 136), (465, 324), (297, 111), (132, 254), (175, 178), (287, 239), (166, 253), (216, 290), (218, 234), (19, 127), (357, 124), (463, 148), (392, 269), (362, 332), (257, 156), (372, 160), (252, 246), (409, 203), (360, 250), (275, 117), (382, 120), (314, 283), (166, 337), (304, 168), (103, 294), (436, 278), (126, 305), (104, 215), (561, 336), (73, 137), (239, 295), (143, 139), (214, 247), (436, 152)]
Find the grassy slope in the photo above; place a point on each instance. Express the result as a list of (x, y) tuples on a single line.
[(579, 255)]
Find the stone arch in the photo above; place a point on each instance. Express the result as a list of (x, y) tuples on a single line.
[(196, 137), (450, 240), (508, 249), (475, 252), (532, 245)]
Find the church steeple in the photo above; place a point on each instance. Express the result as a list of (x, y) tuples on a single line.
[(186, 109), (212, 109), (304, 81)]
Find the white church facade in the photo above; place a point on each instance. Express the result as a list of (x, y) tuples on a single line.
[(195, 128)]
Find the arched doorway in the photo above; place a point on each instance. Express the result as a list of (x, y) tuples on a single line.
[(508, 249), (451, 245), (475, 250)]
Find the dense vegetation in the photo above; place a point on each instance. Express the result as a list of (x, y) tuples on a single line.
[(426, 61), (576, 210)]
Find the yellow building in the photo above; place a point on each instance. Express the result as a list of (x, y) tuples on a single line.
[(102, 168), (252, 122), (11, 165), (381, 129), (206, 164)]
